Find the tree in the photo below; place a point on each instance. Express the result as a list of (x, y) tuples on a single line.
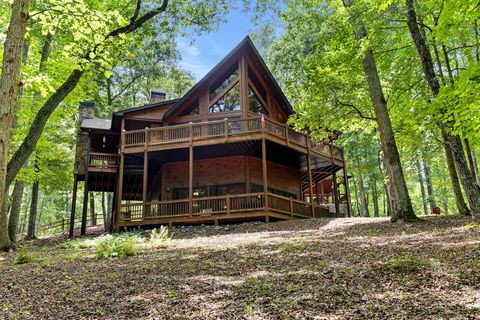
[(9, 93), (472, 189), (90, 43)]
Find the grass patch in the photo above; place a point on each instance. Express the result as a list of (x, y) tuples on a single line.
[(292, 245), (472, 226), (407, 264)]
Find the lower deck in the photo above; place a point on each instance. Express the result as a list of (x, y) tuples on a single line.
[(249, 206)]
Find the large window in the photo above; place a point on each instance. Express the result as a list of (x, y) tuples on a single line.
[(256, 106), (193, 109), (228, 102)]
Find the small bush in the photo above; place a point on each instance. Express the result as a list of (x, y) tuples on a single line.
[(23, 255), (111, 247), (407, 264), (160, 236)]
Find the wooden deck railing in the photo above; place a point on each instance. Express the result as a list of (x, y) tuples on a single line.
[(103, 160), (227, 128), (219, 205)]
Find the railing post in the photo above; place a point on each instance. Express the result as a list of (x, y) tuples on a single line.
[(190, 132), (291, 206), (331, 153), (225, 129), (146, 135), (228, 203), (286, 134)]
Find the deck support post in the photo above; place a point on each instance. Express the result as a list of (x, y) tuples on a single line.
[(190, 180), (83, 227), (244, 87), (310, 185), (264, 172), (347, 190), (145, 183), (72, 211), (118, 205), (335, 193)]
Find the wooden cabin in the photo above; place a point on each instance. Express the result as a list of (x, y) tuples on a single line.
[(223, 152)]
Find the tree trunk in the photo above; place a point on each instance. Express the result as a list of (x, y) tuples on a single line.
[(93, 217), (387, 208), (422, 187), (457, 190), (428, 181), (108, 221), (32, 218), (471, 161), (17, 196), (376, 211), (363, 198), (401, 205), (10, 85), (472, 189), (104, 210)]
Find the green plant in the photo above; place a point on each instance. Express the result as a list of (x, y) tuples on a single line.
[(292, 245), (23, 255), (119, 246), (160, 236)]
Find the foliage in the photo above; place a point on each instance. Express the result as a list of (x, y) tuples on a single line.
[(160, 236), (23, 255), (116, 246)]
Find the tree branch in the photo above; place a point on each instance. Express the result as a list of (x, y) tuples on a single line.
[(360, 114)]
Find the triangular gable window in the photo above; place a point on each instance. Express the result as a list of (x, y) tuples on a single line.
[(223, 82), (192, 110), (255, 104), (230, 101)]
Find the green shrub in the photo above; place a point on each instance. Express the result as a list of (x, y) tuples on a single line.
[(160, 236), (23, 255), (116, 246)]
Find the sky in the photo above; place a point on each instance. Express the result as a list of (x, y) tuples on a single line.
[(210, 48)]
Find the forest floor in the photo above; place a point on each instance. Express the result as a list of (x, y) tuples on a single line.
[(355, 268)]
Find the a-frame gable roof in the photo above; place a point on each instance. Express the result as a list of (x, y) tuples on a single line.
[(245, 45)]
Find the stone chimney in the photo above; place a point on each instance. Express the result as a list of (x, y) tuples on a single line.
[(86, 110), (157, 95)]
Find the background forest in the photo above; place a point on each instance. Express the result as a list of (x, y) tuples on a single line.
[(315, 50)]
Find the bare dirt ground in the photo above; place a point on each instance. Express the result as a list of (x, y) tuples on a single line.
[(353, 268)]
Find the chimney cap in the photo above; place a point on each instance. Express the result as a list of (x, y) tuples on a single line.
[(87, 104), (158, 92)]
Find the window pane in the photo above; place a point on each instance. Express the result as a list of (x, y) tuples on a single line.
[(229, 102), (255, 105), (217, 87)]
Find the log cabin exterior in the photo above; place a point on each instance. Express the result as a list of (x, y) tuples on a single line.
[(222, 152)]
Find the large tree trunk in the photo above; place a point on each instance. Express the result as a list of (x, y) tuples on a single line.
[(17, 196), (471, 161), (32, 218), (472, 189), (400, 200), (422, 187), (457, 190), (9, 93), (428, 181)]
